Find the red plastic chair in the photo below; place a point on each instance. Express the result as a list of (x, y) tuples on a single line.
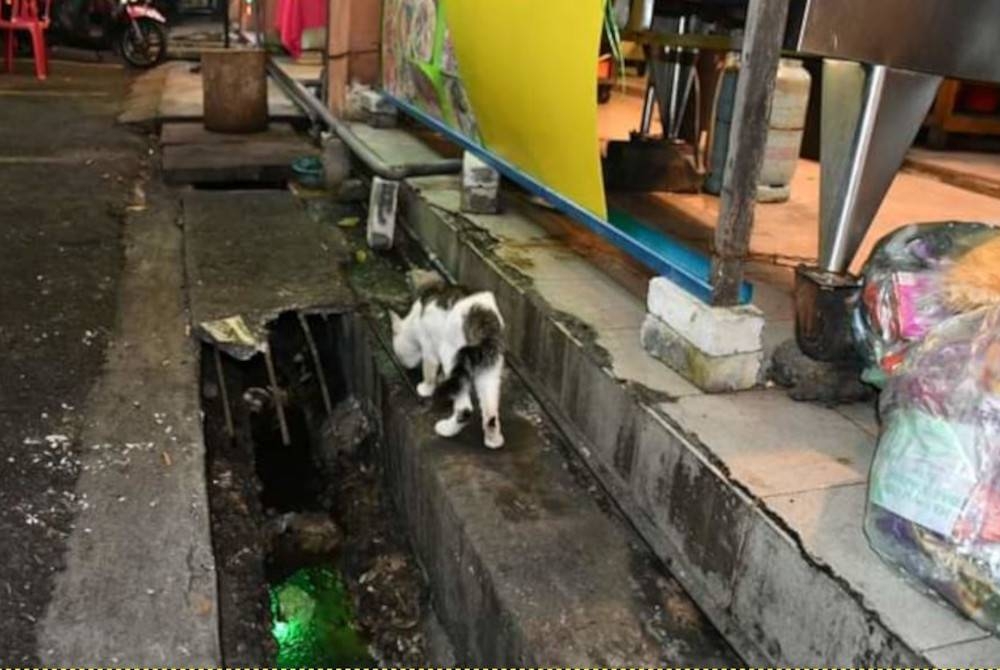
[(25, 15)]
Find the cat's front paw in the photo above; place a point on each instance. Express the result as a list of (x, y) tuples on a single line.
[(425, 389), (447, 428)]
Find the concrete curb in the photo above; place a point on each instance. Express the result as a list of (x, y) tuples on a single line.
[(749, 573), (525, 567)]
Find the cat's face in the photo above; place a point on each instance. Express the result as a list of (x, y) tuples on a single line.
[(405, 343)]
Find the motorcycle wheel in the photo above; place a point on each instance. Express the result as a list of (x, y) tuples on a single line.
[(148, 52)]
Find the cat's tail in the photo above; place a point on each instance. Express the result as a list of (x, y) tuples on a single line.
[(485, 348)]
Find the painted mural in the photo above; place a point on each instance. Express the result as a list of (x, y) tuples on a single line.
[(516, 76), (419, 63)]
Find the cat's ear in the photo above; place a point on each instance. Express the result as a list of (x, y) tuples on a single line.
[(397, 321)]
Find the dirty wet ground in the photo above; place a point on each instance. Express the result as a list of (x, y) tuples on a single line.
[(66, 175)]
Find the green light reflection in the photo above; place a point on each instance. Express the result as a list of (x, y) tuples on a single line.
[(313, 622)]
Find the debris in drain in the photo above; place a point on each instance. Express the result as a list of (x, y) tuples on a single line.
[(313, 622), (303, 539), (256, 398), (234, 336), (343, 432), (305, 534)]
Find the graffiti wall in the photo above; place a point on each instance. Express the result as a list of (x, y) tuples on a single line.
[(516, 76)]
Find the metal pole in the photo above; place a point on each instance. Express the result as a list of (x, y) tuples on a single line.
[(647, 108), (225, 24), (277, 395), (316, 110), (230, 426), (317, 363)]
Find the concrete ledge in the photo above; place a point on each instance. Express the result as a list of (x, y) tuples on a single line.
[(139, 584), (707, 480), (508, 538)]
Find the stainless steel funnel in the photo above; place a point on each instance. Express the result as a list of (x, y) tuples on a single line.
[(870, 117)]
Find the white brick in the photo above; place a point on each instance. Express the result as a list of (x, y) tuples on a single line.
[(382, 213), (716, 331), (374, 102), (477, 174), (480, 186), (712, 374)]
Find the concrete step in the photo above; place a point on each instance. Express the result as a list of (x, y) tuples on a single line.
[(172, 92), (754, 501)]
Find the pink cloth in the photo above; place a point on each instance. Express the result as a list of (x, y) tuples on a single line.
[(297, 16)]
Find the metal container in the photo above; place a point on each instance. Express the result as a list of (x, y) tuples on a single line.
[(235, 90), (721, 122), (956, 38), (823, 305)]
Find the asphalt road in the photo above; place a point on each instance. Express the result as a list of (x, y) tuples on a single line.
[(66, 175)]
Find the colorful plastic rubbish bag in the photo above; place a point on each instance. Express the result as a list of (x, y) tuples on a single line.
[(902, 297), (934, 489)]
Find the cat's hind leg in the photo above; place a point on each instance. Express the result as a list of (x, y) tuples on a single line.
[(461, 413), (425, 389), (488, 384)]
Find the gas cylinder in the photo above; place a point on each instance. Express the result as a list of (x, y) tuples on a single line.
[(785, 128)]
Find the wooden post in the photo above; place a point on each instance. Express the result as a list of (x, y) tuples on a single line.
[(766, 22), (338, 51), (354, 35), (366, 41)]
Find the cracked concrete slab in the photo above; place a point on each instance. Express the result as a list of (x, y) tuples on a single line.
[(254, 255)]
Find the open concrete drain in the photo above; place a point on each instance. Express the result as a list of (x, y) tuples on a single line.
[(313, 568)]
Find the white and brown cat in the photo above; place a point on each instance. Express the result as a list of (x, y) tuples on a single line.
[(457, 336)]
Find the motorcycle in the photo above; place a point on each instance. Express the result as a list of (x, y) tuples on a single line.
[(134, 28)]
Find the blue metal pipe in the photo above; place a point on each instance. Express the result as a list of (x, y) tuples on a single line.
[(686, 267)]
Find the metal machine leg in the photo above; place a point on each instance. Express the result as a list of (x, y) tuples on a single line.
[(647, 109), (870, 117), (672, 75)]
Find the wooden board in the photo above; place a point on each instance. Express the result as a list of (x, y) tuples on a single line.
[(195, 133), (266, 160), (973, 171)]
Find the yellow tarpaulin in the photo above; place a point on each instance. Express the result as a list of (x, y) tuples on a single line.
[(529, 68)]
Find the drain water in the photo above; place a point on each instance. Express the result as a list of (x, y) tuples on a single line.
[(314, 569), (313, 622)]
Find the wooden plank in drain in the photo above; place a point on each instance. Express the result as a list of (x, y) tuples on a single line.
[(193, 155)]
